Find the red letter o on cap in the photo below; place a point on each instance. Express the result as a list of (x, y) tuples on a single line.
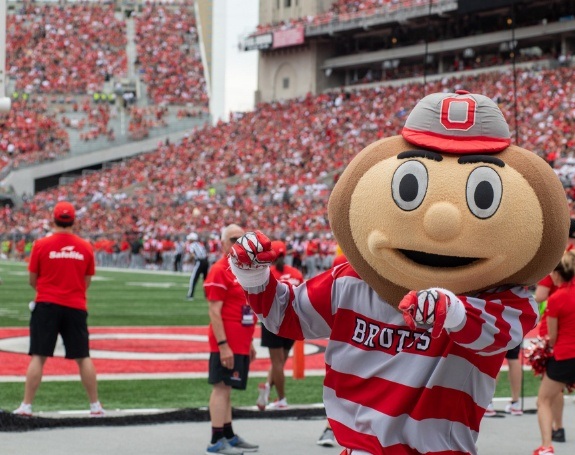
[(458, 113)]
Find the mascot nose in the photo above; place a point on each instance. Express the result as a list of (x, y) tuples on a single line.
[(442, 221)]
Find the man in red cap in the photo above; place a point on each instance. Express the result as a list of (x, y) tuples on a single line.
[(61, 267)]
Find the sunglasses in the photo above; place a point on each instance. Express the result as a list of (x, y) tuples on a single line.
[(234, 239)]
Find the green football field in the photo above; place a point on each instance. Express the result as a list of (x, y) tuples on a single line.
[(115, 298), (128, 298)]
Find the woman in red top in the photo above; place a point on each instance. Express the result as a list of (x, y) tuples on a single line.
[(560, 369), (546, 287)]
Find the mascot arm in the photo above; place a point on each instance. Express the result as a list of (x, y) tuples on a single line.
[(496, 321), (284, 309), (490, 323)]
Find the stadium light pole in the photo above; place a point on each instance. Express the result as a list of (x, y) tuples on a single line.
[(4, 100)]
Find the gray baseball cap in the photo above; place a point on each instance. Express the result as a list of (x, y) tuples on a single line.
[(460, 123)]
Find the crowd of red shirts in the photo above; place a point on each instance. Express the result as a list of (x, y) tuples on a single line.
[(273, 168), (31, 132), (169, 57), (342, 11), (71, 49)]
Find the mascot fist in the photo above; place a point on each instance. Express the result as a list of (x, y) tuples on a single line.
[(252, 251), (431, 307), (250, 258)]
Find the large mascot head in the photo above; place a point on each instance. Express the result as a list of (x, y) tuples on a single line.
[(449, 203)]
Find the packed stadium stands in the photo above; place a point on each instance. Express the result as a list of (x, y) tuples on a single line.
[(170, 62), (272, 168), (69, 50), (66, 64), (30, 132)]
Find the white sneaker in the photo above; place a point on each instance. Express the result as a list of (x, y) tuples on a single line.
[(23, 410), (490, 411), (96, 410), (514, 408), (327, 439), (264, 396), (278, 404)]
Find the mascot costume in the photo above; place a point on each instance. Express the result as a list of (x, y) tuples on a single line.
[(444, 227)]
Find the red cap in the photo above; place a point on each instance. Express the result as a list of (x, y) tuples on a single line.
[(279, 247), (64, 212)]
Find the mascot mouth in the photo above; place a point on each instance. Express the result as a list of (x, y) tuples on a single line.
[(436, 260)]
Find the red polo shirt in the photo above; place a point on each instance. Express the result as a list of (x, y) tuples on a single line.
[(62, 261), (222, 285)]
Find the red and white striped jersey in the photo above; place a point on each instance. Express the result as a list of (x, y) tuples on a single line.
[(389, 390)]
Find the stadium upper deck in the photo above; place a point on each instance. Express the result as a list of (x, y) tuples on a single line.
[(305, 49)]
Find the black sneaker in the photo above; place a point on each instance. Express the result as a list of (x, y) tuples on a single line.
[(558, 435)]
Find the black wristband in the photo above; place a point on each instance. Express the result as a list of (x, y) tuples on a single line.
[(220, 343)]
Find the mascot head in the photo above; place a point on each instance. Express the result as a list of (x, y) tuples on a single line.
[(449, 203)]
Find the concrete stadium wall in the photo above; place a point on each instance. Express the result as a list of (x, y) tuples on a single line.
[(23, 180)]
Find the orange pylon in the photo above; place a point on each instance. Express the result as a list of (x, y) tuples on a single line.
[(298, 360)]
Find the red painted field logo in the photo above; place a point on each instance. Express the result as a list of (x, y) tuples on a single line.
[(139, 352)]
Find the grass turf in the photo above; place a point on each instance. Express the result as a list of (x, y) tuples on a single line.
[(151, 393), (114, 299), (130, 298)]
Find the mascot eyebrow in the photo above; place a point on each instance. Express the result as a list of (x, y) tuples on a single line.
[(467, 159), (420, 154)]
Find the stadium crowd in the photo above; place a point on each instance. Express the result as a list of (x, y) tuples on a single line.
[(274, 167), (42, 37), (61, 57), (168, 55), (271, 168), (51, 49), (31, 132), (344, 10)]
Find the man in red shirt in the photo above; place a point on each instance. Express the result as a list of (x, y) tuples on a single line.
[(231, 332), (61, 268)]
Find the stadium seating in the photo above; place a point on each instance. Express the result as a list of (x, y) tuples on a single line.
[(69, 50), (60, 60), (273, 168), (31, 133), (270, 169), (169, 60)]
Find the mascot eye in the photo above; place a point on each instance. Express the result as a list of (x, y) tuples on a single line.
[(484, 192), (409, 185)]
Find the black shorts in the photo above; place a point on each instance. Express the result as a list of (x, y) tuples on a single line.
[(513, 353), (271, 340), (561, 370), (48, 320), (236, 378)]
